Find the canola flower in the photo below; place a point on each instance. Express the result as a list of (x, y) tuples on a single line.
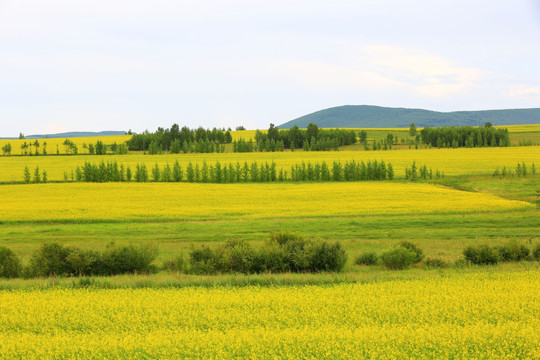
[(464, 316), (187, 201), (53, 144), (462, 161)]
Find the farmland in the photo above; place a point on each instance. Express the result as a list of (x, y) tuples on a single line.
[(482, 316), (459, 311)]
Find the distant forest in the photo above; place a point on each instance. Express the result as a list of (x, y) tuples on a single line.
[(311, 139), (175, 140)]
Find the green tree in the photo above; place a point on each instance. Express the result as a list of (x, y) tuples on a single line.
[(37, 175), (6, 149), (27, 177), (412, 130)]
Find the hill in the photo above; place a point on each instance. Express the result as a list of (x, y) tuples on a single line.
[(366, 116), (74, 134)]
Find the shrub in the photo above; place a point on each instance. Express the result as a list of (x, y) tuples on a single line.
[(273, 258), (419, 254), (536, 252), (129, 259), (512, 251), (366, 258), (280, 253), (206, 261), (84, 262), (481, 255), (323, 256), (49, 260), (398, 258), (10, 265), (435, 263), (241, 257)]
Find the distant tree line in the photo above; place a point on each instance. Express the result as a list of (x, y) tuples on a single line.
[(175, 139), (465, 136), (70, 148), (311, 139)]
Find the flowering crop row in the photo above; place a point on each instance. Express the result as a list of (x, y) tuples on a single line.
[(480, 316)]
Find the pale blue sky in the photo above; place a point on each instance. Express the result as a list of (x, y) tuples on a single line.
[(69, 65)]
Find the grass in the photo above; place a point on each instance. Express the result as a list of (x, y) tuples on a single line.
[(167, 280)]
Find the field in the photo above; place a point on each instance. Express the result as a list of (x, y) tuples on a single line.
[(482, 161), (481, 316), (460, 311)]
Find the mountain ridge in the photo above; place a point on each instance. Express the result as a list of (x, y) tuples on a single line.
[(71, 134), (370, 116)]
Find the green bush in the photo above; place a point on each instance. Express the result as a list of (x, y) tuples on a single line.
[(367, 258), (241, 257), (419, 254), (54, 259), (435, 263), (10, 265), (282, 252), (398, 258), (273, 258), (481, 255), (49, 260), (129, 260), (323, 256), (512, 251), (536, 252), (84, 262)]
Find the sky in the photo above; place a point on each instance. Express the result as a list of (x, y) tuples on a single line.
[(74, 65)]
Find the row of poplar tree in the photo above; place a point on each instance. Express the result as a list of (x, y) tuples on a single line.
[(232, 172)]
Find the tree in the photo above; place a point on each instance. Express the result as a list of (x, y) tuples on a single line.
[(27, 177), (6, 149), (412, 130), (312, 131), (37, 175)]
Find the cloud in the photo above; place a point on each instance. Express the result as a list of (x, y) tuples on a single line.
[(391, 69), (524, 91)]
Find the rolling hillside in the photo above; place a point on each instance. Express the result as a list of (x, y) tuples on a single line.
[(366, 116)]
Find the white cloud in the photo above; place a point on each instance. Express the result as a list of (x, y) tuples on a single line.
[(524, 91)]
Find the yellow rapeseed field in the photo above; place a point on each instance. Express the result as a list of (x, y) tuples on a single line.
[(465, 316), (187, 201), (464, 161), (54, 144)]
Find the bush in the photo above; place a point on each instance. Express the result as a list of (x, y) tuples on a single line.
[(241, 257), (536, 252), (398, 258), (366, 258), (323, 256), (512, 251), (10, 265), (419, 254), (481, 255), (129, 260), (435, 263), (49, 260), (54, 259), (206, 261), (280, 253), (84, 262)]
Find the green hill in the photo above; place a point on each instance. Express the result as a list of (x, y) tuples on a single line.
[(366, 116)]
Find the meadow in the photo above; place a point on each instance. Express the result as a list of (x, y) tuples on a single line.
[(461, 311)]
